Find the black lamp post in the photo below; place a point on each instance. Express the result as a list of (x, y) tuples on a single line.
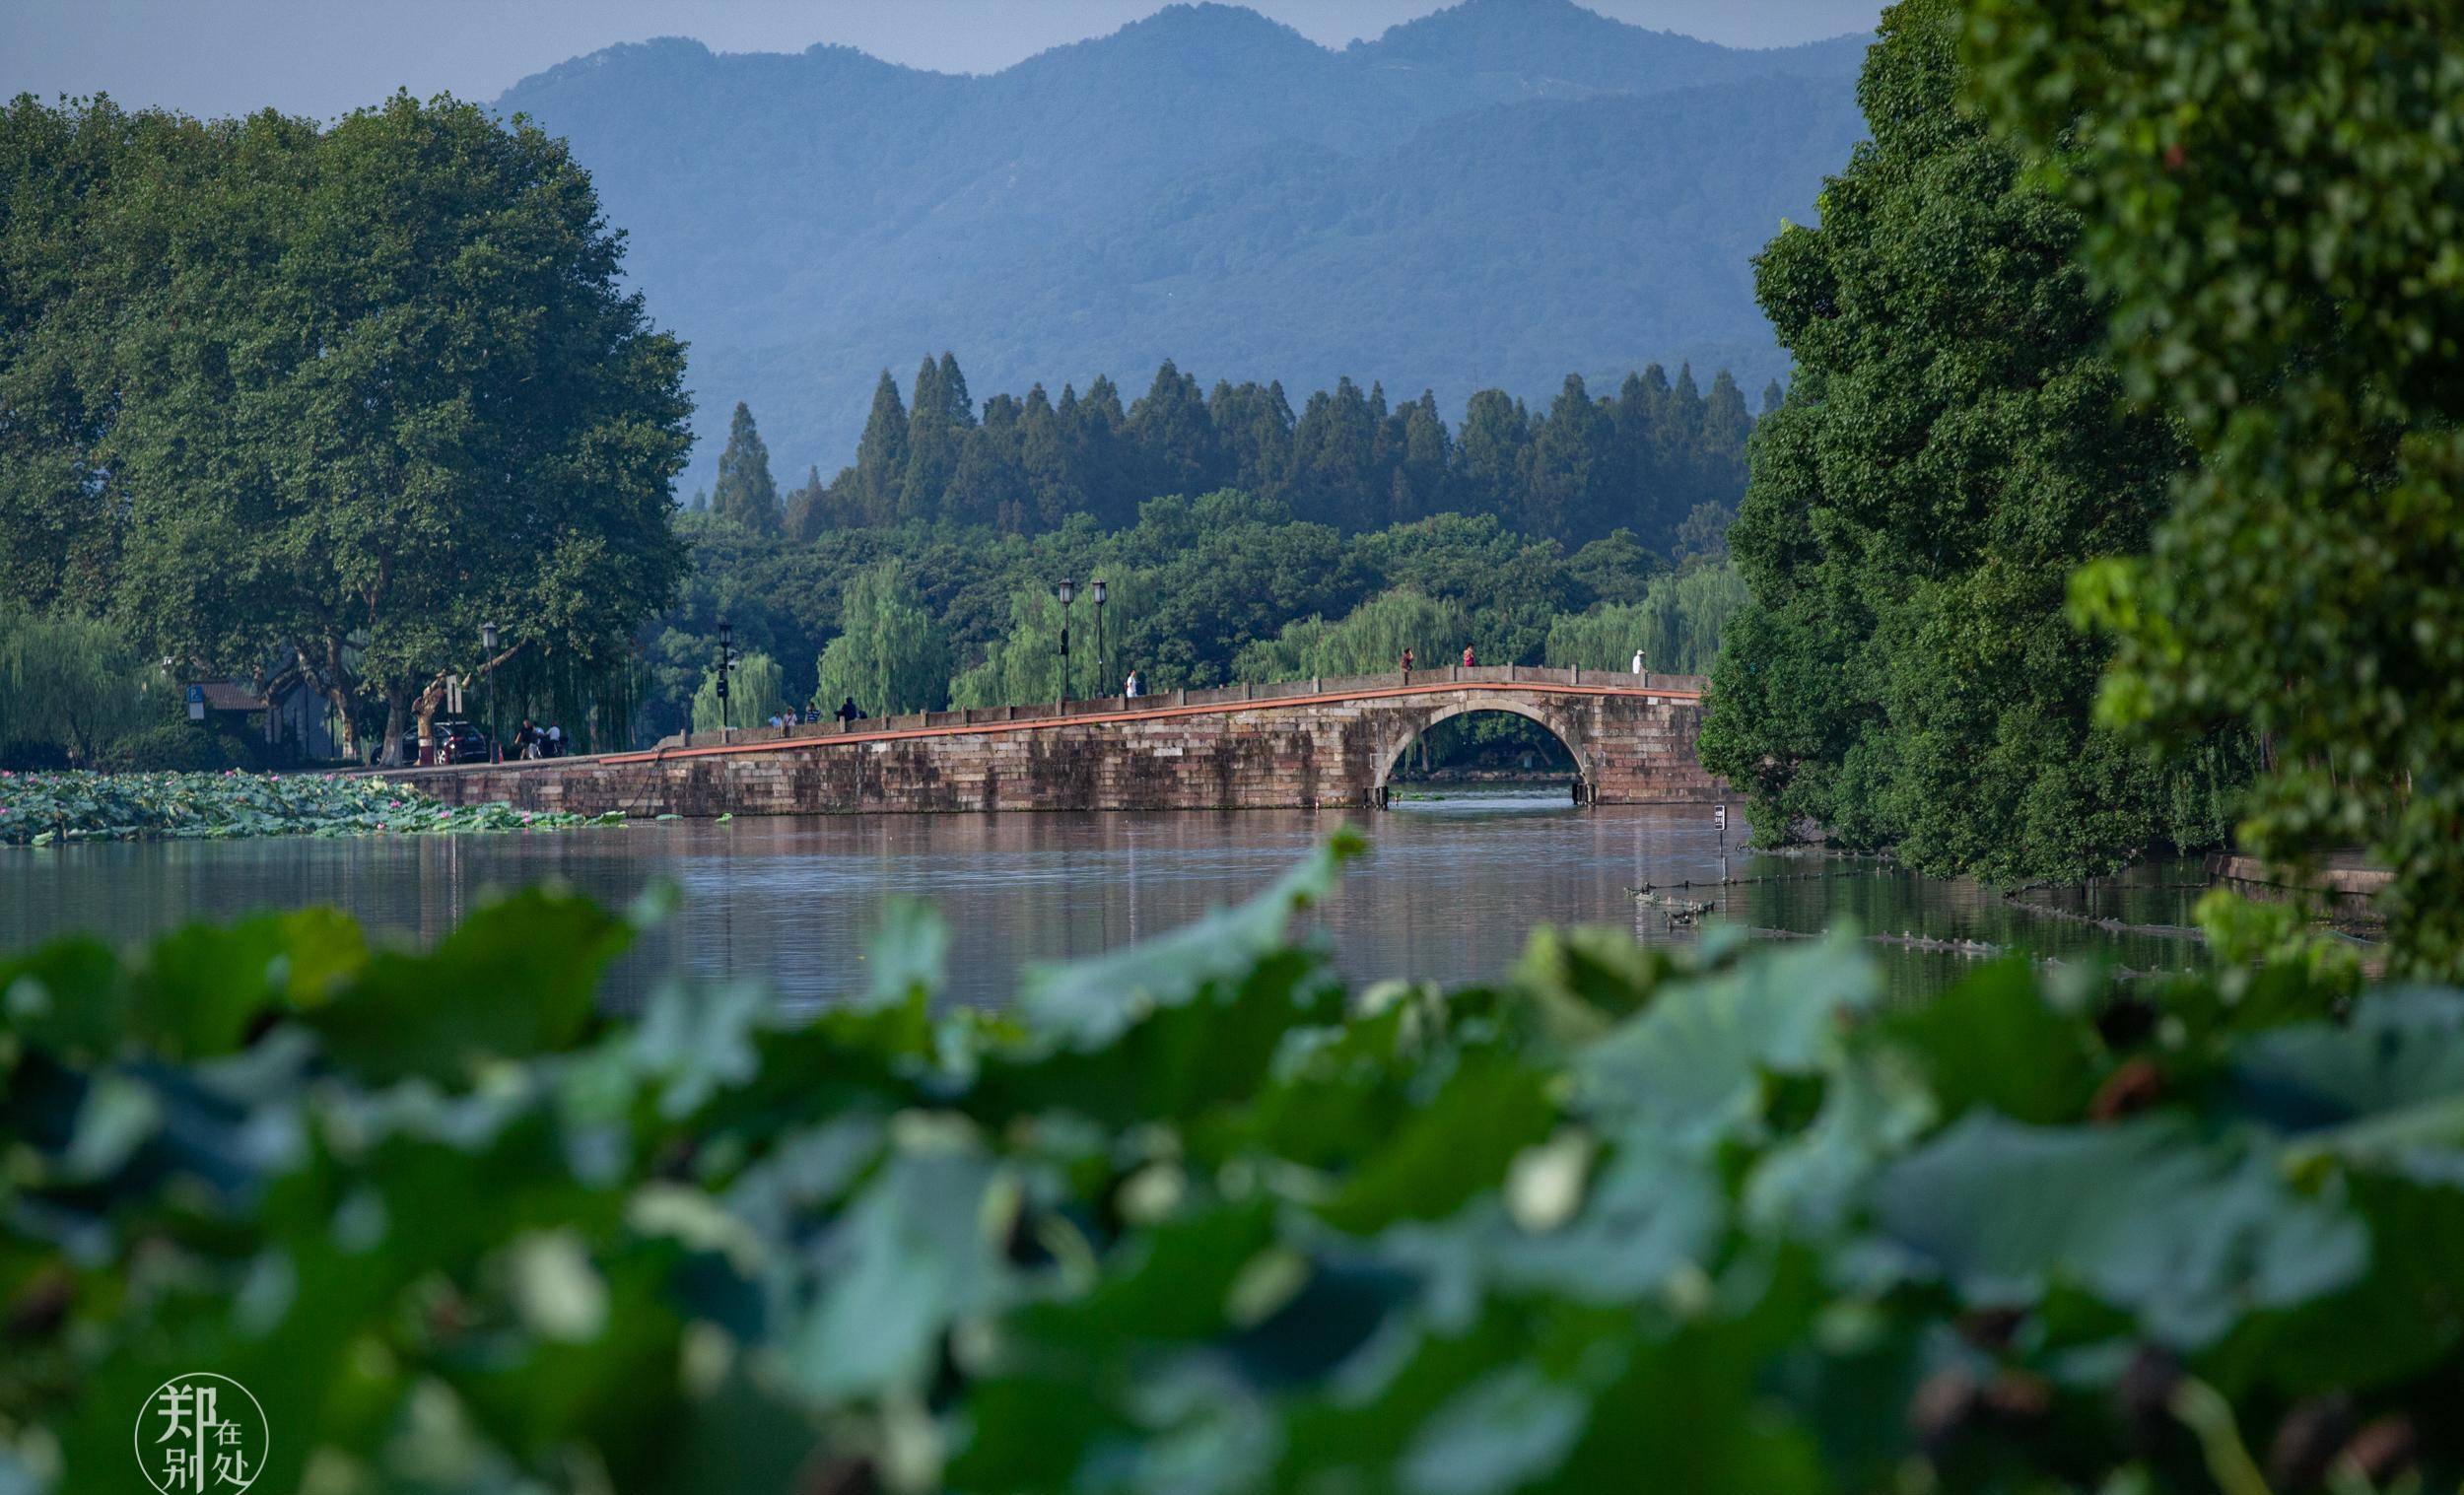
[(727, 662), (487, 656), (1096, 591), (1068, 590)]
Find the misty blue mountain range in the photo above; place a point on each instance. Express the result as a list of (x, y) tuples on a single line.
[(1497, 195)]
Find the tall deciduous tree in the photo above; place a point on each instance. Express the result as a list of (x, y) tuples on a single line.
[(747, 492), (1950, 453), (353, 389), (2273, 196)]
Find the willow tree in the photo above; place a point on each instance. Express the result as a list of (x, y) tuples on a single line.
[(1368, 640), (368, 386), (891, 653), (1024, 666), (77, 684), (1677, 626), (757, 690)]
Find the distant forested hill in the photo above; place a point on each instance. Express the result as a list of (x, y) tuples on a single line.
[(1488, 196)]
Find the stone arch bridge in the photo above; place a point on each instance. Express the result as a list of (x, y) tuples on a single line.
[(1312, 744)]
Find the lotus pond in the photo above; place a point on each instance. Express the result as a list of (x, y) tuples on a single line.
[(40, 809)]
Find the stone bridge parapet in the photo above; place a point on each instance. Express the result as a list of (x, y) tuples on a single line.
[(1312, 744)]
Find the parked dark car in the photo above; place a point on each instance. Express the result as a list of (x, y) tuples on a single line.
[(460, 742), (456, 742)]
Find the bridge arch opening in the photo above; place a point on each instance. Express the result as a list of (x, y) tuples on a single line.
[(1485, 742)]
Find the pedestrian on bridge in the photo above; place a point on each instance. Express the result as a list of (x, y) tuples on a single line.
[(1134, 686), (847, 714), (1406, 661), (1638, 661), (1468, 661)]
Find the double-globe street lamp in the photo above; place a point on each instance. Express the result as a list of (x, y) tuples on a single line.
[(1067, 593), (727, 662)]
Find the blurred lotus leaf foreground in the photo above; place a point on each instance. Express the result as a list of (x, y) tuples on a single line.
[(1195, 1216)]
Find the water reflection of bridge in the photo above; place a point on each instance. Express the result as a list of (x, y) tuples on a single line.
[(1322, 744)]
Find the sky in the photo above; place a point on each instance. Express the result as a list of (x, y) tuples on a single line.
[(320, 57)]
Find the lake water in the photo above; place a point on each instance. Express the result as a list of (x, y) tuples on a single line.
[(1449, 890)]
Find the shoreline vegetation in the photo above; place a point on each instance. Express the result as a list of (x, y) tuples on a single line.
[(51, 808), (1724, 1209)]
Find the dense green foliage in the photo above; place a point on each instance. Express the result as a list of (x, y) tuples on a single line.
[(1644, 459), (1193, 583), (1949, 453), (42, 810), (178, 747), (1238, 540), (1193, 1216), (1491, 197), (890, 654), (1369, 639), (277, 396), (756, 692), (2274, 195), (73, 684), (1678, 625), (74, 693)]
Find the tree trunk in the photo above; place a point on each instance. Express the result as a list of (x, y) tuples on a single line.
[(397, 718), (329, 684)]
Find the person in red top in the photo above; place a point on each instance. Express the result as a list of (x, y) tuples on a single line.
[(1406, 661), (1467, 657)]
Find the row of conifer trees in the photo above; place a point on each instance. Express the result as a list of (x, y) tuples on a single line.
[(1643, 460)]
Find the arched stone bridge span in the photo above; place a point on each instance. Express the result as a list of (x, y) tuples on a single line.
[(1316, 744)]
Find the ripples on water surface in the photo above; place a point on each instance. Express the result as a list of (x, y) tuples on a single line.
[(1448, 891)]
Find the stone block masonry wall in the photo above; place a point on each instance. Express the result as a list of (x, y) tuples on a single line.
[(1273, 748)]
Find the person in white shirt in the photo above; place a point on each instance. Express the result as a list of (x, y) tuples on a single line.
[(1638, 661)]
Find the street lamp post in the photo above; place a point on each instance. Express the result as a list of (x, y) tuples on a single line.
[(1096, 591), (727, 662), (487, 653), (1068, 590)]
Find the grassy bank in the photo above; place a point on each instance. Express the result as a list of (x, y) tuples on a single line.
[(42, 810)]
